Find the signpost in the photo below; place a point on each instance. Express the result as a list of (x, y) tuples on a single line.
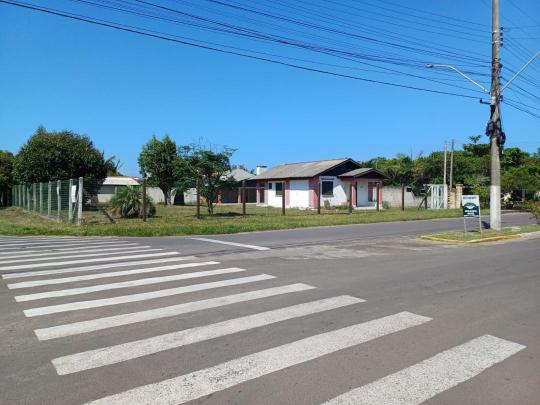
[(471, 209)]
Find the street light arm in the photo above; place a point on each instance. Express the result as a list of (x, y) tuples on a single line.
[(429, 66), (520, 70)]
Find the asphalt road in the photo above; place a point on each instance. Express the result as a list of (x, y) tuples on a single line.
[(364, 314)]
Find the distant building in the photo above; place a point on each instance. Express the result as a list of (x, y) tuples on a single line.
[(232, 195), (332, 180), (112, 185)]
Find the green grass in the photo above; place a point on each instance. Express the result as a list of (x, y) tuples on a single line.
[(488, 233), (180, 220)]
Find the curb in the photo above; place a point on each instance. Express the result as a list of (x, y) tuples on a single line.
[(491, 239)]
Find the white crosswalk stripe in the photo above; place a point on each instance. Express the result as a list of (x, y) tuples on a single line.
[(439, 373), (52, 281), (45, 253), (102, 259), (125, 284), (127, 351), (51, 244), (76, 328), (123, 299), (188, 387), (52, 262), (59, 237), (101, 252), (95, 267)]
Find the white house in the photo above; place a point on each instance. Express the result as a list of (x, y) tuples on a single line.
[(300, 185)]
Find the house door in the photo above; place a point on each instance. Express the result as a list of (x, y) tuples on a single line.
[(361, 194)]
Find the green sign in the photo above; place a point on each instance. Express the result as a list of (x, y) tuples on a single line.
[(471, 206)]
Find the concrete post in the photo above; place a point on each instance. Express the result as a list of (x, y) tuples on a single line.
[(41, 198), (80, 201), (70, 201), (58, 199)]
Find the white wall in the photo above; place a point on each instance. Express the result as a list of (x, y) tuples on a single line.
[(299, 193), (340, 191), (392, 195), (273, 200)]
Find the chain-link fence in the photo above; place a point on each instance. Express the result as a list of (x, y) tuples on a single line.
[(61, 199)]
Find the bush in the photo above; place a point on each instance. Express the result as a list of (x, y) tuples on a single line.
[(127, 203), (386, 205), (326, 204), (534, 207)]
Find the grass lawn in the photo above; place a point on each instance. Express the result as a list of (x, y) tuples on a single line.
[(180, 220), (488, 233)]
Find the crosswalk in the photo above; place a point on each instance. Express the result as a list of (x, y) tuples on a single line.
[(129, 281)]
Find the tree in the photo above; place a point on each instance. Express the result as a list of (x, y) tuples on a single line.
[(160, 161), (48, 156), (113, 166), (520, 178), (209, 168), (6, 175)]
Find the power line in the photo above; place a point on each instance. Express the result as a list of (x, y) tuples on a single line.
[(183, 42)]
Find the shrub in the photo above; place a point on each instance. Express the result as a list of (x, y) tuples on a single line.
[(534, 207), (386, 205), (327, 205), (127, 203)]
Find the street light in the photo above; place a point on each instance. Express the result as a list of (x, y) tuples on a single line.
[(494, 130), (459, 72)]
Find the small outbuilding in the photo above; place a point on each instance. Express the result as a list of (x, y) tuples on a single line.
[(335, 181)]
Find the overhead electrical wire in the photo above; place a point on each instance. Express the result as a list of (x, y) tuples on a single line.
[(324, 33), (115, 26)]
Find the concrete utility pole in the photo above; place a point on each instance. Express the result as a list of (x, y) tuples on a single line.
[(452, 164), (445, 153), (494, 130)]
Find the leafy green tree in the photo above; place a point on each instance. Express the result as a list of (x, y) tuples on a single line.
[(471, 168), (113, 166), (60, 155), (127, 203), (523, 177), (210, 168), (476, 149), (160, 161), (6, 175), (400, 170)]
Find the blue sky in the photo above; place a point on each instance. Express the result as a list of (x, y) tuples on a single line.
[(121, 88)]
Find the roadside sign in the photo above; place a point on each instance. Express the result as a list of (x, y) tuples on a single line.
[(471, 205), (471, 209)]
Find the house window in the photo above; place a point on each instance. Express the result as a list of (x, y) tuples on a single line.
[(279, 189), (269, 185), (327, 188)]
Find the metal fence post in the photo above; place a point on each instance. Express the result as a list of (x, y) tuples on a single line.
[(58, 200), (80, 201), (49, 187), (70, 201)]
